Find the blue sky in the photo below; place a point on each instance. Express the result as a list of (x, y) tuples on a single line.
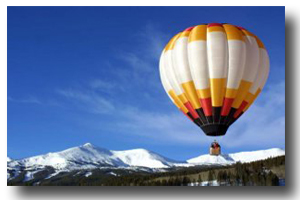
[(90, 74)]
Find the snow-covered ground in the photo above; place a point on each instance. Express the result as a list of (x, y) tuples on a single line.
[(205, 183), (113, 174), (88, 174)]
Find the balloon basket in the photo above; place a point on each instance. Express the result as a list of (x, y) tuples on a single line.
[(215, 149)]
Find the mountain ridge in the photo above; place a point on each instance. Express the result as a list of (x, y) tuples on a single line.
[(88, 156)]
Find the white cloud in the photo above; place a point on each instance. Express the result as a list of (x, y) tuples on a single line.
[(29, 99), (102, 85), (161, 127), (88, 101), (153, 40), (142, 58)]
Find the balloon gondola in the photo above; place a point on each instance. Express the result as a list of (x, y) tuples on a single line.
[(215, 148), (213, 73)]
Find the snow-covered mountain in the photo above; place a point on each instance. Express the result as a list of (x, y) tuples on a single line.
[(87, 157), (243, 157), (144, 158)]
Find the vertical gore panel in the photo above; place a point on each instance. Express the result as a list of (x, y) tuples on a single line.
[(236, 65), (197, 54), (183, 73), (217, 53)]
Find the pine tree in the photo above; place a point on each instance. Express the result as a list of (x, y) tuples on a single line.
[(220, 176), (210, 177), (272, 179), (185, 181)]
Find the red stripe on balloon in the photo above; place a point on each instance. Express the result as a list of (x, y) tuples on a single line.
[(207, 107), (214, 24), (189, 106), (189, 29), (241, 28), (226, 106), (240, 110)]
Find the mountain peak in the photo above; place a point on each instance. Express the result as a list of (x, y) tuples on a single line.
[(88, 145)]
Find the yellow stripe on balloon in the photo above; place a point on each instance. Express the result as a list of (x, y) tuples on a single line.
[(176, 104), (248, 33), (233, 33), (204, 93), (184, 34), (249, 97), (171, 43), (252, 98), (183, 98), (259, 42), (177, 101), (218, 87), (198, 33), (190, 91), (241, 93), (215, 28), (231, 93)]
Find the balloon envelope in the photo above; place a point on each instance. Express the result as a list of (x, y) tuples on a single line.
[(213, 73)]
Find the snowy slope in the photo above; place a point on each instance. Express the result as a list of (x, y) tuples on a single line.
[(235, 157), (82, 157), (143, 158), (251, 156), (90, 157), (209, 159)]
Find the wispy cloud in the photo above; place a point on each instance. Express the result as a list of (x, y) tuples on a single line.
[(102, 85), (161, 127), (28, 99), (153, 39), (142, 58), (87, 101)]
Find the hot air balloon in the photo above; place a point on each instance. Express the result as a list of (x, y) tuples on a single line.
[(213, 73)]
